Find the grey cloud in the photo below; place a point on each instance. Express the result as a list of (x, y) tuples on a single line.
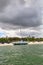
[(19, 15), (3, 4), (26, 18), (7, 26), (27, 34)]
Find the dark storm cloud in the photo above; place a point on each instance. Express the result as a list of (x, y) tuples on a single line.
[(26, 18), (7, 26), (3, 4), (16, 14)]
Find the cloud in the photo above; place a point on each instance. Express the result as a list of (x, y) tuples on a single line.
[(8, 26), (22, 33), (28, 32), (15, 13), (3, 4)]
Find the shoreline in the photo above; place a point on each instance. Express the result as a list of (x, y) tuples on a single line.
[(36, 42), (6, 44), (29, 43)]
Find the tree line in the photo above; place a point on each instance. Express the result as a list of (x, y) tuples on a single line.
[(13, 39)]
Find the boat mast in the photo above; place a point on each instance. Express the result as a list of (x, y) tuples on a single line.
[(21, 32)]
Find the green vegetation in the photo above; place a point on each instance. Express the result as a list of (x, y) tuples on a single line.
[(21, 55), (13, 39)]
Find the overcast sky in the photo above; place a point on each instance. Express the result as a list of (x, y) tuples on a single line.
[(24, 14)]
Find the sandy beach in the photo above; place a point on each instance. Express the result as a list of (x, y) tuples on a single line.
[(6, 44), (35, 42), (30, 43)]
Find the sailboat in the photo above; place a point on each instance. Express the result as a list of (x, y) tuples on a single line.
[(21, 42)]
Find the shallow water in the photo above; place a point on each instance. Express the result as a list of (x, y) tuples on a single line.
[(21, 55)]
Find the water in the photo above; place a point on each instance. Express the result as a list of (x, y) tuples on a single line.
[(21, 55)]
